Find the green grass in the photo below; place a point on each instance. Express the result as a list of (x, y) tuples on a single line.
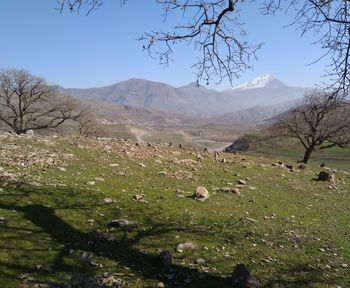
[(276, 227), (337, 158)]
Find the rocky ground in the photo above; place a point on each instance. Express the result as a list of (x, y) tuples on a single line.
[(104, 212)]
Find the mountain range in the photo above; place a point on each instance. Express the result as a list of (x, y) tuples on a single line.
[(260, 98)]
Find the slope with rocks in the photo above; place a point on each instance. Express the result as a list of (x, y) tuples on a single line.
[(115, 213)]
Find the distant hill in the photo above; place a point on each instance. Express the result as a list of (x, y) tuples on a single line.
[(108, 112), (192, 100), (254, 114)]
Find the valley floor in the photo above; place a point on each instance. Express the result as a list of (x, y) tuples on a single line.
[(59, 197)]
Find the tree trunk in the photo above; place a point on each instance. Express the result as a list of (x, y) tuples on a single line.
[(307, 154)]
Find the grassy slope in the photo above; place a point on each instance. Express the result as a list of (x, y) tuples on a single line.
[(278, 226), (338, 158)]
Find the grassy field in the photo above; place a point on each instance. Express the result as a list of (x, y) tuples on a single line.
[(337, 158), (290, 230)]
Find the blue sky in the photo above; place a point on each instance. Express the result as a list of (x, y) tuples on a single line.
[(100, 49)]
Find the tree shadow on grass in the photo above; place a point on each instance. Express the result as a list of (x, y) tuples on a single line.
[(123, 251)]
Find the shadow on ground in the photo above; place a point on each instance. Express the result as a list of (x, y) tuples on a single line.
[(44, 222)]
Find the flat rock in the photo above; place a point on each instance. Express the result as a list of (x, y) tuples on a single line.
[(186, 246)]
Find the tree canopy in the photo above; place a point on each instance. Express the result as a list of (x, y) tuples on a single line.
[(28, 103), (321, 121)]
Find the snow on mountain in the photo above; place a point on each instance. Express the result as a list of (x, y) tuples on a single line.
[(260, 82)]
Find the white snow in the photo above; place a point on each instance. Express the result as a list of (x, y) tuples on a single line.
[(258, 82)]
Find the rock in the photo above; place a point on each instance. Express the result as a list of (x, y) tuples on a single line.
[(166, 259), (242, 278), (242, 182), (138, 197), (112, 165), (121, 223), (236, 191), (142, 165), (225, 189), (289, 167), (30, 133), (200, 261), (302, 166), (332, 178), (108, 200), (201, 193), (86, 256), (110, 281), (160, 285), (324, 176), (189, 246), (99, 179)]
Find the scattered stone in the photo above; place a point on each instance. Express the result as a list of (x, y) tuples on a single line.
[(289, 167), (91, 183), (302, 166), (242, 182), (188, 246), (99, 179), (142, 165), (201, 193), (86, 256), (225, 189), (236, 191), (138, 197), (166, 259), (112, 165), (108, 200), (61, 169), (200, 261), (241, 277), (121, 223), (30, 133), (160, 285), (110, 281), (95, 264), (324, 176)]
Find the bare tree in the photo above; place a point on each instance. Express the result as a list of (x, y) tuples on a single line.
[(214, 29), (28, 103), (88, 124), (321, 121)]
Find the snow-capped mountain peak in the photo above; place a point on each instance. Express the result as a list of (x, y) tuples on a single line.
[(260, 82)]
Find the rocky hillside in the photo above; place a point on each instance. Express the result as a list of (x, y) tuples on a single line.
[(104, 212)]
